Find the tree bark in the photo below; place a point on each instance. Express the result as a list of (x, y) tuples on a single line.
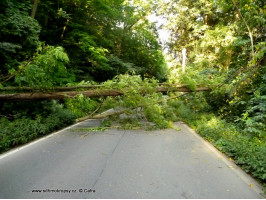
[(249, 30), (58, 95), (79, 87), (184, 58), (69, 88), (87, 93), (34, 8)]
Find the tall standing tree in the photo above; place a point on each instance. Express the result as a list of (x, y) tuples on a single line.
[(34, 8), (103, 38), (19, 35)]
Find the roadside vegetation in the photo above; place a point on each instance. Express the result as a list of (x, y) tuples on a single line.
[(112, 44)]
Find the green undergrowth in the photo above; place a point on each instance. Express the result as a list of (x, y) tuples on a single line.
[(22, 122), (23, 130), (24, 127)]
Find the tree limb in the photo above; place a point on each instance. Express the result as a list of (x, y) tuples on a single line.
[(87, 93)]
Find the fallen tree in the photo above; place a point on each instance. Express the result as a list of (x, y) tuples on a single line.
[(66, 88), (116, 111), (74, 88), (87, 93), (110, 112)]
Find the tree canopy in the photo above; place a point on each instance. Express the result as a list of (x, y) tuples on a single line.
[(101, 38)]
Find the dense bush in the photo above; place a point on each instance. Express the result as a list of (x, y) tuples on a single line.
[(81, 106), (25, 128)]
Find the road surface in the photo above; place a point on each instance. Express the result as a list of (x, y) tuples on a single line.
[(75, 163)]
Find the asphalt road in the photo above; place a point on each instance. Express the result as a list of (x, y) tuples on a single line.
[(74, 163)]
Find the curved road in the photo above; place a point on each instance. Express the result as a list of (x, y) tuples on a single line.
[(73, 163)]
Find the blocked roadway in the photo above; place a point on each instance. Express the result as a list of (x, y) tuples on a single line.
[(75, 163)]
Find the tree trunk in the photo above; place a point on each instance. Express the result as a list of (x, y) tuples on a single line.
[(34, 8), (184, 55), (88, 93), (68, 88), (58, 95)]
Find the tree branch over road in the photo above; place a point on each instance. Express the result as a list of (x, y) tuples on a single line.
[(87, 93)]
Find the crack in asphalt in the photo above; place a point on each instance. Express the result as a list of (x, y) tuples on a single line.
[(107, 160)]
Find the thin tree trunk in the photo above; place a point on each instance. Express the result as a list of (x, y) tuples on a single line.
[(249, 31), (64, 28), (184, 55), (69, 88), (78, 87), (34, 8), (88, 93)]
